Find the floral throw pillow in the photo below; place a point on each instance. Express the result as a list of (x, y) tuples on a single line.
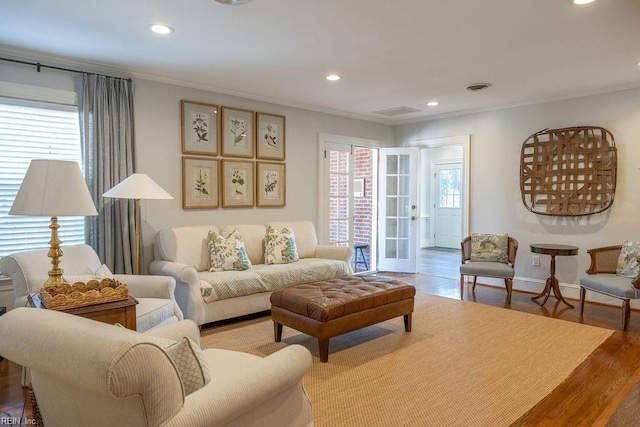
[(489, 248), (628, 259), (280, 246), (227, 253)]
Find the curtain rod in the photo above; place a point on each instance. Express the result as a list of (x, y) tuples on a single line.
[(39, 67)]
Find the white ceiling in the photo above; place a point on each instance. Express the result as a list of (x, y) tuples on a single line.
[(389, 53)]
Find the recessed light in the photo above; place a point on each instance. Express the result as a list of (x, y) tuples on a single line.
[(161, 29), (433, 103), (581, 2), (333, 77)]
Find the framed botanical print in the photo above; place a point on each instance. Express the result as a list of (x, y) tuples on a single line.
[(237, 184), (270, 184), (199, 128), (237, 132), (270, 137), (200, 183)]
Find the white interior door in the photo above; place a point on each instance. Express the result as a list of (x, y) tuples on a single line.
[(398, 210), (448, 205)]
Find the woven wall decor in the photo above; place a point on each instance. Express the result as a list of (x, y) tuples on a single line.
[(568, 172)]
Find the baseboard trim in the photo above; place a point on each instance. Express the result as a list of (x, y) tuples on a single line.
[(569, 290)]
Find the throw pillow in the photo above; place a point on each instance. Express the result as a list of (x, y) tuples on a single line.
[(227, 253), (628, 259), (489, 248), (280, 246), (188, 359)]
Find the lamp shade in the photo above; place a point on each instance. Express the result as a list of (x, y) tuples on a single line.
[(53, 188), (138, 186)]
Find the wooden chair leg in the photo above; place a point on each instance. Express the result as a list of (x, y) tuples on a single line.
[(583, 293), (461, 287), (509, 284), (626, 313), (474, 283)]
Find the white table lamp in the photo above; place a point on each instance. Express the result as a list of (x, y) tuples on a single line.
[(53, 188)]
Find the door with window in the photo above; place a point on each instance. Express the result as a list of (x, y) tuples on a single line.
[(398, 210), (447, 206)]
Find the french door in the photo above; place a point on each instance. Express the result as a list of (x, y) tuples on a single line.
[(338, 170), (398, 210)]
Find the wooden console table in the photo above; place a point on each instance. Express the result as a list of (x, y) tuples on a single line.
[(552, 283), (122, 312)]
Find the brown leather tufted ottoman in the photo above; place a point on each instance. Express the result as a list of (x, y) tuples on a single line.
[(334, 307)]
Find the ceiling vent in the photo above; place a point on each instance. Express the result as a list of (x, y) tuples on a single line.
[(478, 86), (396, 111)]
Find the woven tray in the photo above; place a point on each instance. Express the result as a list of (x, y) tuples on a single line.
[(81, 294)]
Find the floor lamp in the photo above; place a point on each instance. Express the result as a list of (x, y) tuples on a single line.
[(53, 188), (138, 186)]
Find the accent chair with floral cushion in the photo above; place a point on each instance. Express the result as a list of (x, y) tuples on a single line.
[(488, 255), (614, 272)]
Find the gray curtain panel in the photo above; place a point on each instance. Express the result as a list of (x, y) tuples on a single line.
[(105, 106)]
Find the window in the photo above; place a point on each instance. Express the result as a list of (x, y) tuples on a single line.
[(34, 130), (449, 188)]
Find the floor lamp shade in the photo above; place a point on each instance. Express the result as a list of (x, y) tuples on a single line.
[(138, 186), (53, 188)]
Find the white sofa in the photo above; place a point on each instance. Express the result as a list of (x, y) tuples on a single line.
[(204, 296)]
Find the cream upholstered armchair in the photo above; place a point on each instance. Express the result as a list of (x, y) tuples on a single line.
[(491, 262), (94, 374), (602, 278), (155, 294)]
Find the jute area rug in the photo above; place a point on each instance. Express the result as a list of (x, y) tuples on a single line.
[(463, 364)]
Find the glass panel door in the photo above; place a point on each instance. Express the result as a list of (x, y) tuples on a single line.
[(340, 218), (398, 210)]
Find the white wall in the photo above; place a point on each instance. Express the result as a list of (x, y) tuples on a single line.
[(157, 121), (495, 201)]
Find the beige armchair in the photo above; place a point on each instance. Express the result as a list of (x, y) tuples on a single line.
[(498, 270), (155, 294), (94, 374), (602, 279)]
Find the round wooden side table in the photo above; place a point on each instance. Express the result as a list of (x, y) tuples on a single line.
[(552, 283)]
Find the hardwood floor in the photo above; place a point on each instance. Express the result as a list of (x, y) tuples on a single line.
[(603, 391)]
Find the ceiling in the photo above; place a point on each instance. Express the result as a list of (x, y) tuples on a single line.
[(390, 54)]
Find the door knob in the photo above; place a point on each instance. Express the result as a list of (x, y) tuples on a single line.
[(413, 218), (413, 206)]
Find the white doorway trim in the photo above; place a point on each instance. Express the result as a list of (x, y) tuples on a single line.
[(465, 142)]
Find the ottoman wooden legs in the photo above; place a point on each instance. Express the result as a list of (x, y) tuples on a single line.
[(323, 331)]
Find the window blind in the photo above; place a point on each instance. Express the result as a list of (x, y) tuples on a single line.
[(30, 130)]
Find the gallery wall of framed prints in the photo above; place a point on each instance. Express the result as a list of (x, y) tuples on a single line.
[(232, 157)]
